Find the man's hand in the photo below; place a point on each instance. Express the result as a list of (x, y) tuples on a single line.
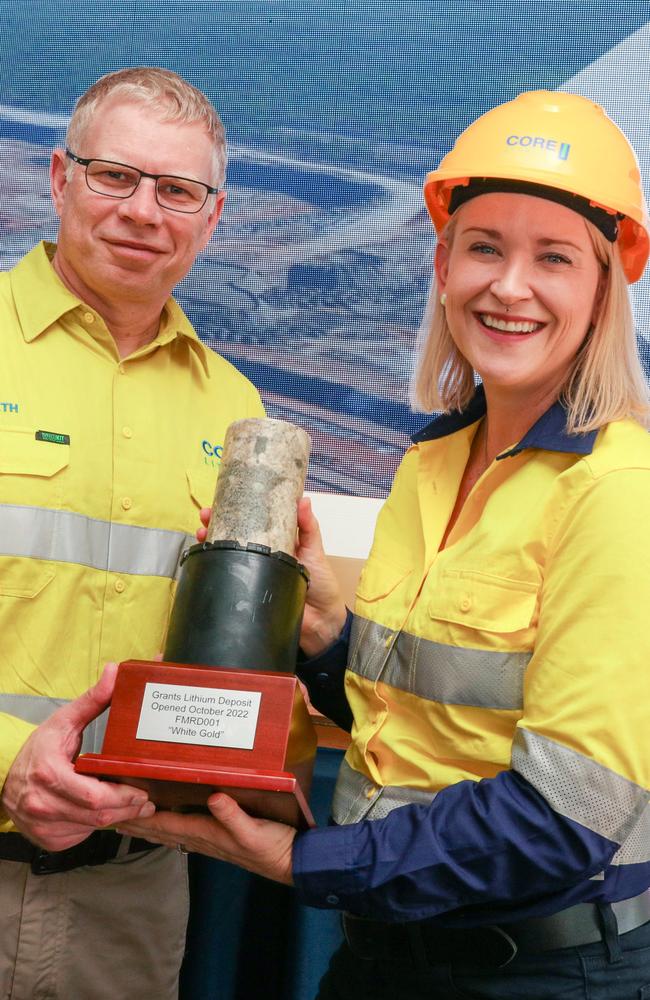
[(202, 532), (258, 845), (48, 802)]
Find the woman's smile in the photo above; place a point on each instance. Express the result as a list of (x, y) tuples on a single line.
[(508, 328)]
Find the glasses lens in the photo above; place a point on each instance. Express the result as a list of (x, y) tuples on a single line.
[(180, 194), (112, 179)]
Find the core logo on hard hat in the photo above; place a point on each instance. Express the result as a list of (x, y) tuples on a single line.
[(561, 149)]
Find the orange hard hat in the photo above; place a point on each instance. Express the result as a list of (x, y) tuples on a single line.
[(553, 140)]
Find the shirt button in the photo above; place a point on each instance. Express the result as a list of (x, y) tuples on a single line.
[(322, 678), (122, 370), (127, 432), (332, 899), (127, 503), (465, 604), (119, 586), (89, 318), (371, 792)]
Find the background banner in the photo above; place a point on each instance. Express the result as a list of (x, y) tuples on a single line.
[(315, 280)]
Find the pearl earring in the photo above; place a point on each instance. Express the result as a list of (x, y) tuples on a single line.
[(443, 299)]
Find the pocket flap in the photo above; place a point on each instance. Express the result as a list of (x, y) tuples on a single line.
[(482, 601), (202, 486), (378, 579), (22, 454), (25, 578)]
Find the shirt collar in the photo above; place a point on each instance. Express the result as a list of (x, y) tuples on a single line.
[(38, 312), (549, 432), (174, 323)]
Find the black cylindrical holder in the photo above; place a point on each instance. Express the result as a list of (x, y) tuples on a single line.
[(237, 606)]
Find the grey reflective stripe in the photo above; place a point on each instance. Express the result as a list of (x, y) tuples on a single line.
[(578, 787), (36, 709), (93, 736), (357, 798), (451, 675), (63, 536), (636, 849), (29, 707)]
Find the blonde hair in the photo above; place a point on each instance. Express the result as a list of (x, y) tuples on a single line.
[(165, 92), (605, 382)]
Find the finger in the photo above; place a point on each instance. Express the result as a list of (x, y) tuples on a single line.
[(202, 533), (132, 812), (102, 819), (165, 826), (60, 837), (84, 799), (76, 824)]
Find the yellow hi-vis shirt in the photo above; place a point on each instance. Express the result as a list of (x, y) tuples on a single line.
[(498, 687), (104, 464), (523, 644)]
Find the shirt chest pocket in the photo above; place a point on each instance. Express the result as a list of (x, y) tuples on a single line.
[(202, 486), (483, 602), (383, 583), (31, 470), (31, 490)]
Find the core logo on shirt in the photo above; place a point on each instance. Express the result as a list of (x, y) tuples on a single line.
[(211, 453), (9, 407), (561, 149)]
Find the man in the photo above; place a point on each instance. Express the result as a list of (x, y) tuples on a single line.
[(107, 452)]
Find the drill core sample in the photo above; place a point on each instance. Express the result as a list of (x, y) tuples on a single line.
[(262, 477)]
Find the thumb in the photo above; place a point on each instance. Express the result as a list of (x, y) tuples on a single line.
[(309, 535), (92, 702), (226, 811), (304, 513)]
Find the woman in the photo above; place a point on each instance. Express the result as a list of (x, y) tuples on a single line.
[(493, 829)]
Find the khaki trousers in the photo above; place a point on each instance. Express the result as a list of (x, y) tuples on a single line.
[(112, 932)]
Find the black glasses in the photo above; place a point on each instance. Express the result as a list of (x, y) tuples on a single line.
[(119, 180)]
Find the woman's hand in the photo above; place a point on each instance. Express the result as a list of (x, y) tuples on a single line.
[(325, 611), (261, 846)]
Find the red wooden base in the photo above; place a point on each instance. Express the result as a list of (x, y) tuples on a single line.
[(272, 794), (271, 779)]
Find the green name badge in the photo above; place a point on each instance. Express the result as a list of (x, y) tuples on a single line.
[(53, 437)]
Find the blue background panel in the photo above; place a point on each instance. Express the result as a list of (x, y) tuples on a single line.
[(315, 281)]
